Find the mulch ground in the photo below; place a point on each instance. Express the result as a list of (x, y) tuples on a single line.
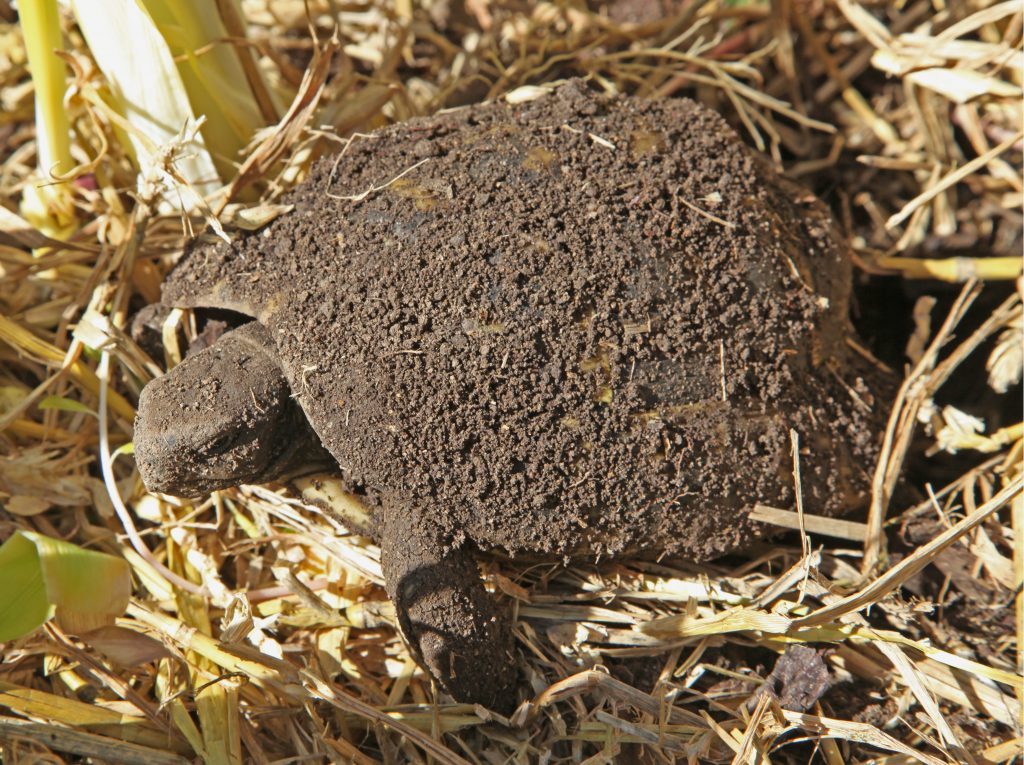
[(893, 634)]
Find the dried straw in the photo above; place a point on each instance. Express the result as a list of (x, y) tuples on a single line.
[(904, 116)]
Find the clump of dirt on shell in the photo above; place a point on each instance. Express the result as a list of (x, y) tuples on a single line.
[(582, 324)]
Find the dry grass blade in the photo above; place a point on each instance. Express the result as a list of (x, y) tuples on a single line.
[(950, 180), (27, 343), (731, 620), (17, 230), (282, 136), (913, 563), (751, 749), (593, 680), (88, 717), (319, 689), (87, 744), (852, 731), (914, 681), (898, 432), (285, 679), (813, 524)]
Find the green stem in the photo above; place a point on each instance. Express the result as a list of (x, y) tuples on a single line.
[(40, 23)]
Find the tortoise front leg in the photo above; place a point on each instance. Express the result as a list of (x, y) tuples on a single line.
[(452, 624)]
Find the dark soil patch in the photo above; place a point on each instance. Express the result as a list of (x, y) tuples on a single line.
[(521, 323)]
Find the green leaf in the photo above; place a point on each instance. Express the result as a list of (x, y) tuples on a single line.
[(23, 602), (65, 405), (44, 578), (168, 63)]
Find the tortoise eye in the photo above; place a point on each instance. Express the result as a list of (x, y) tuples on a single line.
[(221, 444)]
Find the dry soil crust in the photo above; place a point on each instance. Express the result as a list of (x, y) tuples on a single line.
[(576, 325)]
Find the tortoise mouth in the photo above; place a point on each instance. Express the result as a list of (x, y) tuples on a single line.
[(280, 447), (222, 417)]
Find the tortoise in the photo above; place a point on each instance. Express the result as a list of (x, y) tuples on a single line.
[(582, 325)]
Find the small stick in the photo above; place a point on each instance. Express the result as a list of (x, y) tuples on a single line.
[(951, 179)]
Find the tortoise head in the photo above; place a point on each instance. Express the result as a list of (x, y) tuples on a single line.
[(222, 417)]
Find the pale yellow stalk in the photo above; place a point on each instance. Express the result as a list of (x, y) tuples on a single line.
[(47, 203)]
